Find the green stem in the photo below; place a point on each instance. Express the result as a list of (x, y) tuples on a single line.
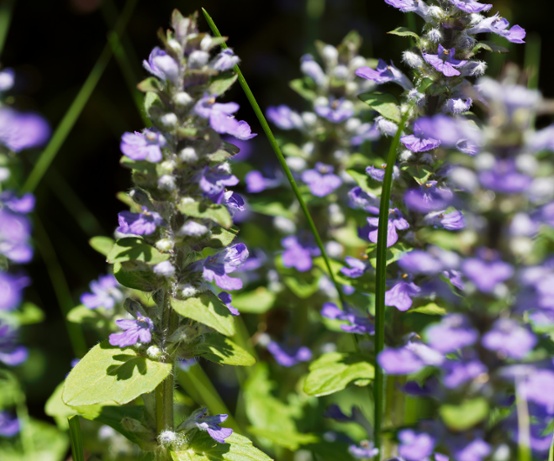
[(6, 11), (380, 285), (76, 437), (71, 116), (532, 60), (523, 426), (281, 159)]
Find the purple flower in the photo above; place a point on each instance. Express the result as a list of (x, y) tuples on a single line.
[(298, 253), (214, 180), (470, 449), (444, 61), (356, 269), (105, 292), (143, 146), (211, 425), (312, 69), (227, 300), (457, 373), (364, 451), (396, 222), (414, 446), (256, 182), (509, 339), (533, 388), (362, 200), (9, 425), (457, 106), (505, 178), (20, 205), (452, 132), (418, 141), (225, 60), (20, 131), (288, 356), (401, 294), (486, 271), (498, 25), (7, 79), (321, 180), (284, 117), (137, 330), (471, 6), (384, 73), (428, 197), (215, 268), (452, 220), (410, 6), (221, 119), (15, 231), (11, 353), (162, 65), (431, 262), (399, 361), (144, 223), (11, 287), (357, 324), (454, 332), (334, 110)]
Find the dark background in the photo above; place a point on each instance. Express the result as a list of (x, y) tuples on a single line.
[(53, 45)]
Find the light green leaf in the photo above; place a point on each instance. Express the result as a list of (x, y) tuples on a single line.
[(214, 212), (404, 32), (221, 84), (258, 301), (207, 309), (362, 180), (137, 275), (149, 84), (102, 244), (465, 415), (57, 409), (429, 309), (221, 238), (204, 448), (270, 206), (292, 441), (222, 350), (384, 103), (27, 314), (302, 284), (135, 249), (303, 88), (334, 371), (10, 389), (109, 375), (85, 316)]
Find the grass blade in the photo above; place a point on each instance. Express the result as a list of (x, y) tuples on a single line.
[(76, 438), (281, 159), (6, 11)]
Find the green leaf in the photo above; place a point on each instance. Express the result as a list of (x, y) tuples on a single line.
[(404, 32), (214, 212), (270, 206), (465, 415), (221, 84), (302, 284), (221, 238), (27, 314), (102, 244), (57, 409), (334, 371), (222, 350), (204, 448), (394, 253), (362, 180), (258, 301), (290, 440), (429, 309), (137, 275), (10, 389), (207, 309), (109, 375), (135, 249), (303, 88), (149, 84), (384, 103)]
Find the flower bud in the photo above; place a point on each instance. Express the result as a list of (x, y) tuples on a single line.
[(188, 155), (182, 99), (165, 245), (412, 59), (154, 353), (169, 120)]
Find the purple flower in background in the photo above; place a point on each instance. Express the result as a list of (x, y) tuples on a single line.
[(105, 292), (401, 294), (396, 222), (418, 141), (356, 323), (9, 425), (428, 197), (227, 300), (430, 262), (256, 182), (399, 361), (457, 373), (362, 200), (457, 106), (510, 339), (7, 79), (11, 353), (143, 146), (363, 451), (414, 446), (471, 6), (444, 61), (288, 356), (452, 132), (321, 180), (466, 448), (452, 220), (384, 73), (225, 60), (162, 65), (20, 131), (498, 25), (215, 268), (486, 271), (11, 287), (221, 119), (15, 232), (211, 425), (22, 205), (505, 178), (454, 332), (284, 117), (334, 110), (144, 223), (533, 388), (298, 253), (312, 69), (356, 267), (135, 331)]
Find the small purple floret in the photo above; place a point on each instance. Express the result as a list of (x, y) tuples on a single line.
[(135, 331)]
